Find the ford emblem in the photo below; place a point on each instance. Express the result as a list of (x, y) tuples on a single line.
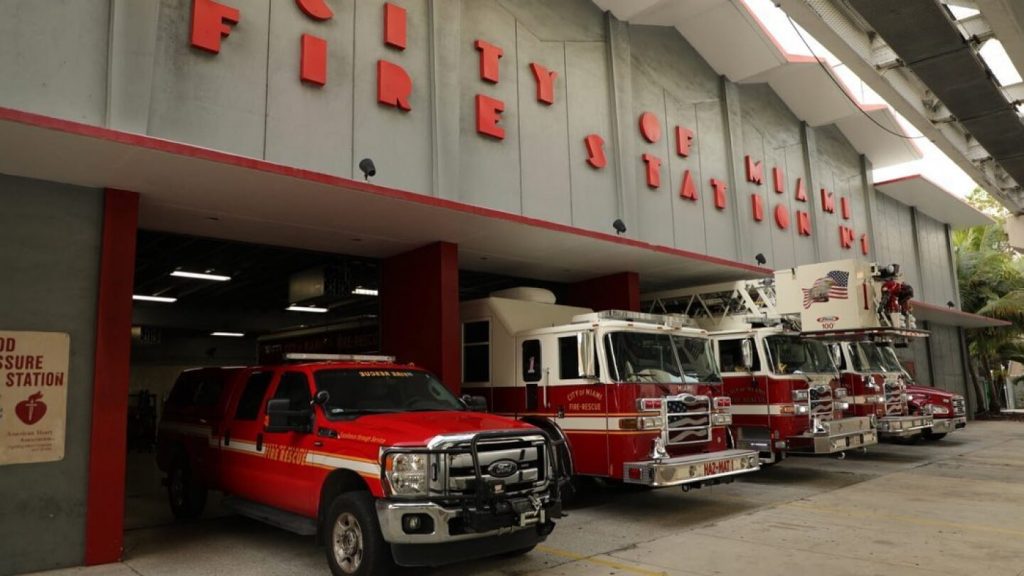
[(502, 468)]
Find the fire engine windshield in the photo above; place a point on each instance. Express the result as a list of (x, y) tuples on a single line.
[(649, 357), (890, 362), (795, 355), (355, 391), (866, 357)]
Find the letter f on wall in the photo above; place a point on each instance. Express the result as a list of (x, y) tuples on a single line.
[(211, 21)]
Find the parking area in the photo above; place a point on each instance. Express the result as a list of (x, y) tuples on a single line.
[(949, 507)]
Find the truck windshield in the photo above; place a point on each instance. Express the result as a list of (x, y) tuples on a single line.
[(890, 362), (866, 357), (796, 355), (355, 391), (650, 357)]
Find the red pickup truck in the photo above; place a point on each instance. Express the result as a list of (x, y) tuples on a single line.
[(377, 459)]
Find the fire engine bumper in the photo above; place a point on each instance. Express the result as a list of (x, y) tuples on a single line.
[(837, 436), (698, 468), (947, 425), (903, 426), (428, 534)]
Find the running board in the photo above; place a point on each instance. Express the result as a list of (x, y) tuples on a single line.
[(274, 516)]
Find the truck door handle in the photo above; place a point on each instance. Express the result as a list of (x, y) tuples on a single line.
[(259, 442), (227, 437)]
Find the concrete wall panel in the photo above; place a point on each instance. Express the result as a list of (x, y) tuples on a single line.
[(719, 227), (564, 20), (654, 208), (687, 215), (936, 267)]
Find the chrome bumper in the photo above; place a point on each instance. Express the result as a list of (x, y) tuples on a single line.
[(947, 425), (903, 426), (839, 436), (689, 469), (390, 514)]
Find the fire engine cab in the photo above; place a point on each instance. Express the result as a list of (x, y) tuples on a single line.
[(377, 459), (636, 397), (784, 386)]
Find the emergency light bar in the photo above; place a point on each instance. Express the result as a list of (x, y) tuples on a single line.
[(674, 321), (296, 356)]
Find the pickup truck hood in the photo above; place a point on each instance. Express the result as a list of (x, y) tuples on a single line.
[(932, 394), (417, 428)]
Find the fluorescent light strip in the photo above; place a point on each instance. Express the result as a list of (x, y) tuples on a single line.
[(200, 276), (228, 334), (315, 309), (163, 299), (365, 291)]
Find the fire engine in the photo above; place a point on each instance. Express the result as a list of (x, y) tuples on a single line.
[(634, 397), (784, 386), (377, 459)]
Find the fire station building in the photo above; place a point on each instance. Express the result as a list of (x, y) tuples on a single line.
[(349, 170)]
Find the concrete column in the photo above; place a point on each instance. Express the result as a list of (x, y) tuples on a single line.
[(732, 114), (419, 303), (809, 141), (623, 120), (868, 185), (613, 292)]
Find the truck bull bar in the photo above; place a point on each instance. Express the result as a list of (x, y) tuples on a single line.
[(697, 469)]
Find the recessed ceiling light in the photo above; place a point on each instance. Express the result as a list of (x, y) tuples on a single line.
[(201, 276), (228, 334), (315, 309), (163, 299), (364, 291)]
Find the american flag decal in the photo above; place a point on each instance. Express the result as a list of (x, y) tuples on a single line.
[(832, 285)]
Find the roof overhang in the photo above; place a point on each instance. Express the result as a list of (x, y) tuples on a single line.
[(953, 317), (197, 191), (934, 200)]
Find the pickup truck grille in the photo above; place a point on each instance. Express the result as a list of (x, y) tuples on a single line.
[(518, 464), (687, 419), (959, 406)]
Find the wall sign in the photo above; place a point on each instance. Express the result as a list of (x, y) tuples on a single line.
[(33, 396)]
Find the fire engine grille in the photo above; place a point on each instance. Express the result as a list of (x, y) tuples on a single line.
[(959, 406), (687, 419), (819, 397), (518, 464), (895, 404)]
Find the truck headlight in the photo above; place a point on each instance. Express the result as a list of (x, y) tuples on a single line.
[(802, 409), (936, 409), (406, 473), (844, 405), (721, 419), (840, 393), (800, 395)]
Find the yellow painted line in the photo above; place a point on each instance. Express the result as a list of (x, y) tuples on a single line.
[(916, 520), (599, 561)]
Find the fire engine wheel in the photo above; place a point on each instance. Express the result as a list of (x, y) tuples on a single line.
[(355, 546), (185, 493)]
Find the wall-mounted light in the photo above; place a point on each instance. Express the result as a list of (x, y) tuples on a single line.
[(313, 309), (360, 291), (163, 299), (228, 334), (201, 276)]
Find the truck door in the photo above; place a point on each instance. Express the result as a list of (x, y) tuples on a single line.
[(291, 484), (242, 451)]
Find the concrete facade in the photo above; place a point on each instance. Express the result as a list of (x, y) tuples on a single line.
[(129, 66)]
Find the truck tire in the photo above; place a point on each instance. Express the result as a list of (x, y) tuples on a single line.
[(185, 492), (355, 546), (928, 435)]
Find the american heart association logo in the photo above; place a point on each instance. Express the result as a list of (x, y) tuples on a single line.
[(31, 410)]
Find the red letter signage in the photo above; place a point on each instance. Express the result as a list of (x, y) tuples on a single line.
[(489, 55), (803, 223), (545, 83), (864, 248), (394, 26), (684, 139), (488, 114), (719, 187), (844, 207), (758, 207), (846, 236), (801, 190), (650, 128), (313, 66), (653, 170), (393, 85), (781, 217), (755, 171), (828, 201), (211, 21), (688, 190), (777, 179), (316, 9), (595, 151)]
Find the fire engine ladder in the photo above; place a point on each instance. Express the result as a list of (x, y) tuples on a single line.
[(721, 306)]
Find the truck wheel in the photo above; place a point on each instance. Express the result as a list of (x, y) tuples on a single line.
[(933, 437), (355, 546), (185, 492)]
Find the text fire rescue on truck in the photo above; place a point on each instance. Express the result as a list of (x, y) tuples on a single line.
[(636, 397), (377, 459)]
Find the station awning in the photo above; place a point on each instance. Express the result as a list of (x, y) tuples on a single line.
[(201, 192), (934, 200), (953, 317)]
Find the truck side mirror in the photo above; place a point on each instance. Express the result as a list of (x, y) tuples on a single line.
[(475, 403), (585, 341), (747, 349), (281, 418), (322, 397)]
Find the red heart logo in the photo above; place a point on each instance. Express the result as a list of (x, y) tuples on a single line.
[(31, 410)]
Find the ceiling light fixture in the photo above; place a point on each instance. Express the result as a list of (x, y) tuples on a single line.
[(163, 299), (228, 334), (201, 276), (315, 309), (364, 291)]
